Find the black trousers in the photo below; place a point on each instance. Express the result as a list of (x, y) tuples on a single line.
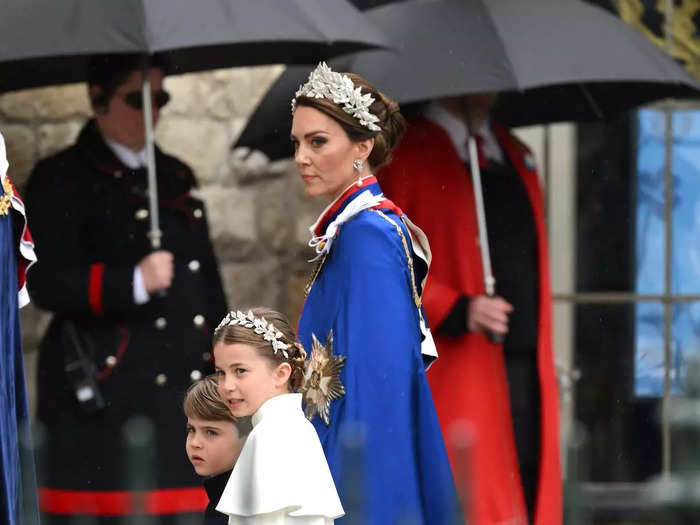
[(524, 389)]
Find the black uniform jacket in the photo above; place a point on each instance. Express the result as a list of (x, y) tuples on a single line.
[(89, 217), (215, 488)]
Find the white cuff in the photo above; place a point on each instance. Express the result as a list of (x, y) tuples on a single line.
[(140, 294)]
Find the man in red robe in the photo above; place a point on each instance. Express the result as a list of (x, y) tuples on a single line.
[(503, 395)]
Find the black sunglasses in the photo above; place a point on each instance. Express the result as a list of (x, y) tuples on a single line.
[(134, 99)]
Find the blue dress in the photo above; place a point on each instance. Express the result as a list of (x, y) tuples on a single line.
[(18, 504), (383, 442)]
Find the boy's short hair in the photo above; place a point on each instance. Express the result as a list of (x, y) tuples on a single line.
[(202, 401)]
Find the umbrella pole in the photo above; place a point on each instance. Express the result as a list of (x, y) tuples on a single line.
[(489, 279), (154, 233)]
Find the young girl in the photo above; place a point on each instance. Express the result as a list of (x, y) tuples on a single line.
[(281, 476)]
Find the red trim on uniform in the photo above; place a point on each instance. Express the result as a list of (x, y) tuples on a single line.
[(121, 350), (122, 503), (176, 500), (95, 287), (386, 204), (113, 170), (180, 203)]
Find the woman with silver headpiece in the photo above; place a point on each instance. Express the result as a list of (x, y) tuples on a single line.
[(366, 391)]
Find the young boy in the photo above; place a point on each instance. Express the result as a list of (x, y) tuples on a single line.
[(214, 441)]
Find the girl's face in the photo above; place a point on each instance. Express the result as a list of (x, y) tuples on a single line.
[(212, 446), (324, 153), (247, 379)]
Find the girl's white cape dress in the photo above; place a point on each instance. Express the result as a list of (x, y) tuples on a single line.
[(281, 476)]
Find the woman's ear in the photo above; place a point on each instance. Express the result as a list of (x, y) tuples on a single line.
[(364, 148), (282, 373)]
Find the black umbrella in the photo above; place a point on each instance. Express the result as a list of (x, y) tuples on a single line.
[(556, 60), (49, 42), (553, 60)]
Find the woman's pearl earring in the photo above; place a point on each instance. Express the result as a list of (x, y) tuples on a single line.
[(357, 164)]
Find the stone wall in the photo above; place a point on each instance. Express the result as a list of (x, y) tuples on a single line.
[(258, 213)]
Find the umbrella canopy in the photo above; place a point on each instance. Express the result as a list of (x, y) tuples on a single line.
[(470, 46), (47, 42), (556, 60)]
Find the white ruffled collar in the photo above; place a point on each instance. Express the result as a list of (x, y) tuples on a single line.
[(281, 404), (282, 472), (321, 242), (337, 202)]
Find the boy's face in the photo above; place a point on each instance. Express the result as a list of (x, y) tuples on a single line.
[(212, 446)]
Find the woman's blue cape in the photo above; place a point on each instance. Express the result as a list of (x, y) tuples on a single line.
[(383, 444)]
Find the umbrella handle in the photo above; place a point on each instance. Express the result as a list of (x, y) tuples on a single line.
[(490, 283), (496, 338), (161, 294)]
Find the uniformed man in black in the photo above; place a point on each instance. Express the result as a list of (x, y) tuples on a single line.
[(131, 326)]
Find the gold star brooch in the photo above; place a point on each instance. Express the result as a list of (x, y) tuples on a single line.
[(5, 201), (322, 379)]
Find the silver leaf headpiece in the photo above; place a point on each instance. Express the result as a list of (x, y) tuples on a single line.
[(326, 83), (260, 326)]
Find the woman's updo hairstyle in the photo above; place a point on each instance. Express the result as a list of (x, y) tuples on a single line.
[(296, 355), (391, 122)]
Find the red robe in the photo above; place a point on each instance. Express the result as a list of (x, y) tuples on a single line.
[(429, 181)]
